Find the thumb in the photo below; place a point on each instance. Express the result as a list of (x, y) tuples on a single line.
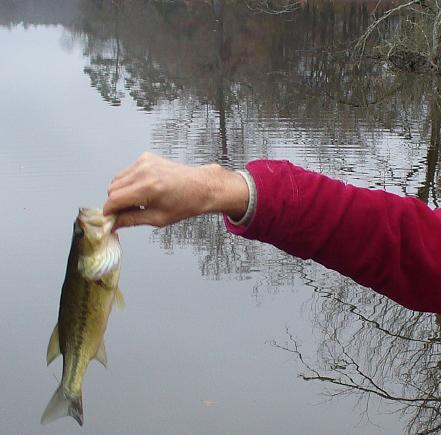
[(132, 218)]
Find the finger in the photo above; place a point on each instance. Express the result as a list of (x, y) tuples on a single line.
[(129, 210), (121, 183), (121, 199), (129, 218)]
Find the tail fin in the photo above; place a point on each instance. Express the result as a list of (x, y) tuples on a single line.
[(62, 405)]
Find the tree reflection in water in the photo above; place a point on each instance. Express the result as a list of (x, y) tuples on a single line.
[(236, 85), (370, 346), (373, 347)]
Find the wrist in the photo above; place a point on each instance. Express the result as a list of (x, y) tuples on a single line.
[(226, 192)]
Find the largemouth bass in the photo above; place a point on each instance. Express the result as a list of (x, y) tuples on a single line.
[(89, 290)]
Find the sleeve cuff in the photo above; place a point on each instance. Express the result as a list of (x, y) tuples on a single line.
[(252, 200), (276, 190)]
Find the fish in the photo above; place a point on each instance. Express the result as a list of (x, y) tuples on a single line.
[(89, 291)]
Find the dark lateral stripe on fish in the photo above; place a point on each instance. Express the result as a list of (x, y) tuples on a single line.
[(83, 323)]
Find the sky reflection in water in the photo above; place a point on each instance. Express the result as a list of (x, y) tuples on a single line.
[(209, 340)]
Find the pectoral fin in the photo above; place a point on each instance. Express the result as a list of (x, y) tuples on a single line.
[(119, 299), (53, 348), (101, 355)]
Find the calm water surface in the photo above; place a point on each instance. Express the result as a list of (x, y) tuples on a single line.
[(218, 333)]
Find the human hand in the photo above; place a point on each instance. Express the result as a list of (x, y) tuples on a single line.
[(157, 191)]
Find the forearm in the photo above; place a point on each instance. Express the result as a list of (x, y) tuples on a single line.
[(382, 241)]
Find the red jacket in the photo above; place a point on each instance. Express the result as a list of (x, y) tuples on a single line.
[(380, 240)]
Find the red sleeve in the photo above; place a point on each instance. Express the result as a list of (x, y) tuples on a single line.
[(380, 240)]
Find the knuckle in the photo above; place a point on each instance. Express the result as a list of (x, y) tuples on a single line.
[(144, 168), (144, 156), (157, 185)]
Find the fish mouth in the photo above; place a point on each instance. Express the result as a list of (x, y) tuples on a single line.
[(93, 217)]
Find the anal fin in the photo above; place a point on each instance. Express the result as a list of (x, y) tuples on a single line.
[(53, 348), (101, 355)]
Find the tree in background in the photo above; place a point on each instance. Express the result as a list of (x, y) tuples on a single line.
[(407, 35)]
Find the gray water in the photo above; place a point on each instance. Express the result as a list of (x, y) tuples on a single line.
[(209, 341)]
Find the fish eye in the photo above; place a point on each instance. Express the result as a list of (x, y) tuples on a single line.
[(78, 231)]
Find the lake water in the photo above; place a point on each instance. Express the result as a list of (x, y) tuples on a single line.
[(217, 331)]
